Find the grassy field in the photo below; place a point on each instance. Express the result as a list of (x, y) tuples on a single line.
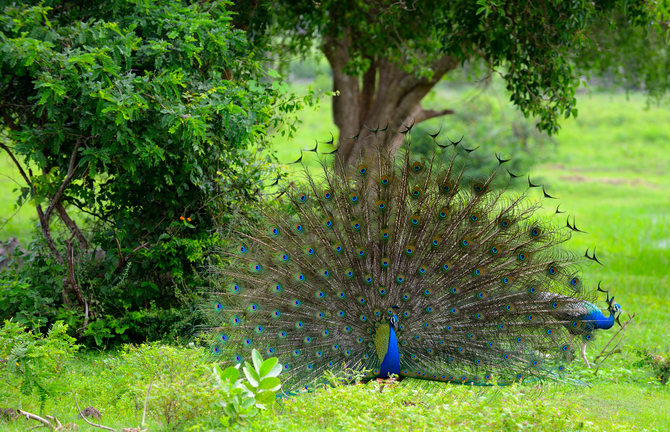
[(14, 222), (611, 171)]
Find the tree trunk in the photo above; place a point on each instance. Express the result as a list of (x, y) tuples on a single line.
[(379, 101)]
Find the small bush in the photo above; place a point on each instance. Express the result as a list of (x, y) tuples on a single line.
[(658, 363), (32, 362)]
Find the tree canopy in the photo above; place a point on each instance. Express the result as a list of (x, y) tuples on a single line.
[(387, 55)]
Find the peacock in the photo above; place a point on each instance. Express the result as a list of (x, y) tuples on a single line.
[(587, 318), (402, 265)]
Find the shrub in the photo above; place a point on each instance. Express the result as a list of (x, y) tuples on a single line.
[(32, 361)]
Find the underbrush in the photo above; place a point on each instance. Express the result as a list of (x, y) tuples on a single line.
[(186, 390)]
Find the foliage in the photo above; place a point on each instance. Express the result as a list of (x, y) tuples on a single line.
[(185, 388), (185, 385), (178, 377), (659, 363), (532, 45), (135, 122), (34, 361), (628, 56), (244, 397)]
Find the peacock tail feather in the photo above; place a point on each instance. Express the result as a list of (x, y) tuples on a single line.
[(473, 274)]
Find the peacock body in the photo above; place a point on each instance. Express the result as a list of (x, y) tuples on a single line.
[(402, 265)]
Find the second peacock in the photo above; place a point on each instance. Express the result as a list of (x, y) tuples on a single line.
[(403, 265)]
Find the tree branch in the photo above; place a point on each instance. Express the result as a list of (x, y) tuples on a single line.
[(421, 114), (70, 173), (46, 233), (8, 119), (16, 162), (72, 225), (142, 246), (70, 273), (146, 401), (28, 415)]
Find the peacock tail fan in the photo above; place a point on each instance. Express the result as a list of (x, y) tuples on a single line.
[(474, 274)]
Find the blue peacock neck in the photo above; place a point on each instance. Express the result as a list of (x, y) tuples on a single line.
[(597, 319), (391, 360)]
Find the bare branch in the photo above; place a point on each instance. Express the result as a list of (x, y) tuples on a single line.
[(146, 401), (423, 115), (86, 420), (71, 225), (623, 327), (37, 418), (46, 233), (16, 162), (8, 119), (70, 273), (83, 328), (70, 173), (54, 418), (142, 246)]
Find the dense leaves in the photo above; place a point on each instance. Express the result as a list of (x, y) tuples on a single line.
[(136, 122), (541, 48)]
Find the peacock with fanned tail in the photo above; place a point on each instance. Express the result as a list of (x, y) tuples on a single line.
[(401, 265)]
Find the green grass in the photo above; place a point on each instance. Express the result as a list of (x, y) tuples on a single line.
[(611, 171), (13, 222)]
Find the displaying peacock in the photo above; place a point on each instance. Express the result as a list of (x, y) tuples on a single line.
[(403, 265)]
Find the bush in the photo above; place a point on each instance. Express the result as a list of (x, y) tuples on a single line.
[(34, 362), (141, 122)]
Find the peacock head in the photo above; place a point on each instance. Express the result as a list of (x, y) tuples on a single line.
[(615, 310), (393, 319)]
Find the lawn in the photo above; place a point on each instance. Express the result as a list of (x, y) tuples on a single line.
[(610, 169)]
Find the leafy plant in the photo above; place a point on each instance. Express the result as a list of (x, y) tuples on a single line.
[(35, 361), (141, 122), (242, 398), (659, 363)]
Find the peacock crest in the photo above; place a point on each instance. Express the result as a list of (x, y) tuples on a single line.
[(402, 265)]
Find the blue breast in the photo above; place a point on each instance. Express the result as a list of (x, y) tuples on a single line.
[(595, 320), (391, 363)]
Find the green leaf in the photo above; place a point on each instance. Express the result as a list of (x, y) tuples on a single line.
[(267, 366), (273, 73), (257, 359), (265, 397), (231, 374), (271, 383), (274, 372), (251, 374), (248, 403), (237, 110)]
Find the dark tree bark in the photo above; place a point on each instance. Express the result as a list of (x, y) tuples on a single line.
[(382, 98)]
